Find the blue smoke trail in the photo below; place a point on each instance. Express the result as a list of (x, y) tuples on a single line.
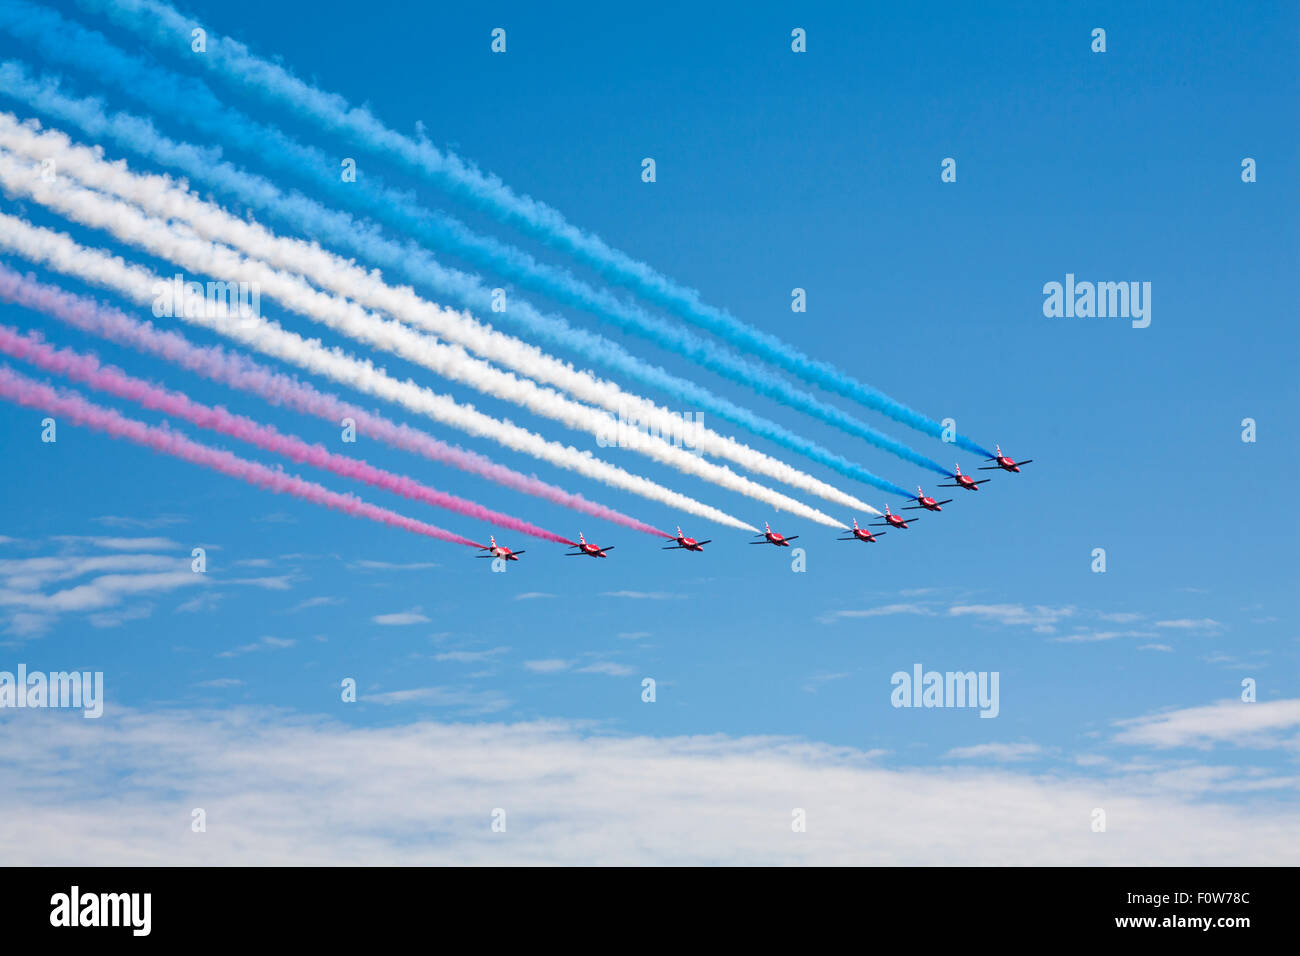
[(412, 260), (192, 100), (140, 135), (234, 61)]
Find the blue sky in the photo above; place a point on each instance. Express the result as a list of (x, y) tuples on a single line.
[(775, 170)]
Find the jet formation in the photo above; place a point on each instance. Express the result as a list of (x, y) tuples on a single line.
[(924, 502)]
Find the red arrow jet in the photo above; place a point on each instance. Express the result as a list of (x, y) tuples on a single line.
[(1004, 462), (588, 550), (925, 501), (686, 544), (966, 481), (771, 537), (893, 520), (498, 551), (862, 534)]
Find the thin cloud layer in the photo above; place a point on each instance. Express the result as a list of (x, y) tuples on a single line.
[(280, 789)]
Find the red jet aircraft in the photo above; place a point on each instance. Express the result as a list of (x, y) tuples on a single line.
[(966, 481), (498, 551), (588, 550), (893, 520), (925, 501), (862, 534), (686, 544), (771, 537), (1004, 462)]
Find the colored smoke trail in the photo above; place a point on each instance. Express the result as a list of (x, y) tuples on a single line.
[(59, 252), (181, 245), (88, 370), (162, 24), (162, 197), (193, 101), (32, 394), (240, 372)]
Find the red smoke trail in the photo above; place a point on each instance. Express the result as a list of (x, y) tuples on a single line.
[(87, 369), (241, 372), (24, 391)]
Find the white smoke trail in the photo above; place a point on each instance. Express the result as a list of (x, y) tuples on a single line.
[(341, 230), (180, 245), (162, 196), (61, 253)]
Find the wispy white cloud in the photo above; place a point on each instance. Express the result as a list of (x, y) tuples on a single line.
[(265, 644), (573, 796), (468, 702), (1120, 617), (101, 592), (997, 752), (1085, 637), (609, 668), (471, 657), (401, 618), (1255, 659), (32, 574), (28, 624), (208, 600), (391, 566), (1041, 618), (120, 616), (886, 610), (556, 665), (1191, 624), (103, 578), (1253, 725), (282, 582), (644, 595), (322, 601), (814, 683), (118, 544)]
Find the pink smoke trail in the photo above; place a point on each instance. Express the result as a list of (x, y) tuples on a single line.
[(241, 372), (86, 368), (25, 391)]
